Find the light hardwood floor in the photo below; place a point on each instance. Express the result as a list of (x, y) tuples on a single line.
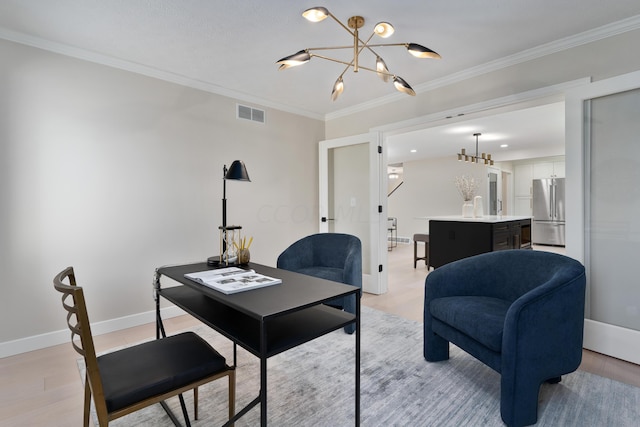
[(43, 388)]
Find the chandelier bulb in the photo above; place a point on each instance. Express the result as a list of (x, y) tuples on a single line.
[(420, 51), (403, 86), (338, 87), (316, 14), (384, 29), (298, 58), (381, 68)]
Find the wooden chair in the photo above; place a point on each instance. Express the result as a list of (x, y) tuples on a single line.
[(127, 380)]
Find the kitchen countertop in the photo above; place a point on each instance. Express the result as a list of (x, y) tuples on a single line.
[(485, 219)]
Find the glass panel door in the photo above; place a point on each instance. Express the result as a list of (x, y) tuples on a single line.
[(614, 209), (351, 200), (603, 207)]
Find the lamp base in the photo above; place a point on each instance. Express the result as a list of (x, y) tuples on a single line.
[(215, 261)]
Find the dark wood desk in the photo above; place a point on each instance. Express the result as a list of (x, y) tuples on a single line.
[(264, 321)]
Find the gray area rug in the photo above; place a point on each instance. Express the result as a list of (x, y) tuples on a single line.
[(313, 385)]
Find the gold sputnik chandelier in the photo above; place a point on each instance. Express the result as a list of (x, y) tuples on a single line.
[(381, 29)]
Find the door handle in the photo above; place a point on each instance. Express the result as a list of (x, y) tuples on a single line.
[(325, 219)]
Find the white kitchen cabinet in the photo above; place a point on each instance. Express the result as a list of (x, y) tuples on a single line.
[(548, 170), (558, 169), (523, 175), (522, 206)]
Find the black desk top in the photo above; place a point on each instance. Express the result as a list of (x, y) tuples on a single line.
[(296, 292)]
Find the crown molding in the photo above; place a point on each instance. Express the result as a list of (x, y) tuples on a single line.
[(145, 70), (606, 31), (609, 30), (551, 93)]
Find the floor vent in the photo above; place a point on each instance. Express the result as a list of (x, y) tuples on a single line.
[(248, 113)]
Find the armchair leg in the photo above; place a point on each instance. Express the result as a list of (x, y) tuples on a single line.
[(519, 402), (436, 348), (554, 380), (350, 307)]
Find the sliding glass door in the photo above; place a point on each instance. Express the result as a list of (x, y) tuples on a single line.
[(603, 177)]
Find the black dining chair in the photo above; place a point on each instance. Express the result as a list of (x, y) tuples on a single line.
[(127, 380)]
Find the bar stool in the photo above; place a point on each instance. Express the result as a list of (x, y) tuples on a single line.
[(425, 239), (392, 229)]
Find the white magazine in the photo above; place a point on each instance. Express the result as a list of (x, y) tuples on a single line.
[(231, 280)]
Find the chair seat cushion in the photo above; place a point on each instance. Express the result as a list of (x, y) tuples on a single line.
[(481, 318), (136, 373)]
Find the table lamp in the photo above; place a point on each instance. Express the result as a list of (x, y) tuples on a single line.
[(237, 172)]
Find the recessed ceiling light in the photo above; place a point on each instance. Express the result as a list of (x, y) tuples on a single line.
[(504, 145), (414, 151)]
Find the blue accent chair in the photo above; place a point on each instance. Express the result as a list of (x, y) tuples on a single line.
[(520, 312), (332, 256)]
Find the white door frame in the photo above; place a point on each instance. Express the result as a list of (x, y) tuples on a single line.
[(619, 342), (376, 281)]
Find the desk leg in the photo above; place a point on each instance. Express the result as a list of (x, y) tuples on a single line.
[(263, 375), (357, 359), (159, 325)]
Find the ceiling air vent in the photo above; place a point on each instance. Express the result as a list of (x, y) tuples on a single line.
[(248, 113)]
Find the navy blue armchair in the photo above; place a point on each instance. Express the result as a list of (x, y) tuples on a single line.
[(521, 312), (332, 256)]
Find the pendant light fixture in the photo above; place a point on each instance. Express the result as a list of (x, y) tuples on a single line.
[(381, 29), (483, 158)]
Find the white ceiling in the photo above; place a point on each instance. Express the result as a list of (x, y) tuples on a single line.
[(530, 133), (230, 47)]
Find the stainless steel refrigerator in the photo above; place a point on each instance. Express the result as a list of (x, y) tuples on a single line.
[(548, 211)]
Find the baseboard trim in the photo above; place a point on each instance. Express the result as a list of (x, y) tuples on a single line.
[(37, 342), (615, 341)]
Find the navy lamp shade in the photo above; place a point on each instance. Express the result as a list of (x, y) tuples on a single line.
[(237, 171)]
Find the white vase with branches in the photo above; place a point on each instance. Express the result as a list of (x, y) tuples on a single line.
[(467, 187)]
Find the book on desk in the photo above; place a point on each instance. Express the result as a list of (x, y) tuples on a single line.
[(231, 280)]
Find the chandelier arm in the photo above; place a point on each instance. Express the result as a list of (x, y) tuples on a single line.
[(345, 70), (329, 48), (369, 46), (350, 64), (341, 24), (389, 44), (377, 72), (332, 59)]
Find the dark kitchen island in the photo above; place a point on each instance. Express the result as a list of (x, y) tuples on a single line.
[(453, 237)]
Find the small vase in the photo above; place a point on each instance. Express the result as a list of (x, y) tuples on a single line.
[(467, 209), (478, 210), (243, 256)]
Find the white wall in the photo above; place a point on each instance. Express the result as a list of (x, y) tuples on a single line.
[(116, 174), (429, 190)]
